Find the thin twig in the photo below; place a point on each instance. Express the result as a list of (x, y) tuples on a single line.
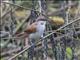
[(16, 5)]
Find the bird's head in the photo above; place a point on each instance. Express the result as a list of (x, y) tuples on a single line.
[(41, 18)]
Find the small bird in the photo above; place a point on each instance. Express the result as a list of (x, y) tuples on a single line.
[(36, 28), (40, 26)]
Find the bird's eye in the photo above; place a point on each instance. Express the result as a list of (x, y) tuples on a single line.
[(42, 23)]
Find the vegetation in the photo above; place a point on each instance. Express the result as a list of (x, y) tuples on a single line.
[(61, 38)]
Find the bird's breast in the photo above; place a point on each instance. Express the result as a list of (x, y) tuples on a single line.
[(35, 36)]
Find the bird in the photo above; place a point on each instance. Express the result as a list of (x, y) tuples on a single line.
[(34, 32), (40, 26), (36, 29)]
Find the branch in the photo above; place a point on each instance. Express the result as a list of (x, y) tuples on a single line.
[(16, 5), (2, 16)]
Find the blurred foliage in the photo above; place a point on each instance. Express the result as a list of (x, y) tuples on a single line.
[(20, 14)]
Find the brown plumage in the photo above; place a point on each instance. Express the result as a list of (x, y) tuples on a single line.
[(31, 28)]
